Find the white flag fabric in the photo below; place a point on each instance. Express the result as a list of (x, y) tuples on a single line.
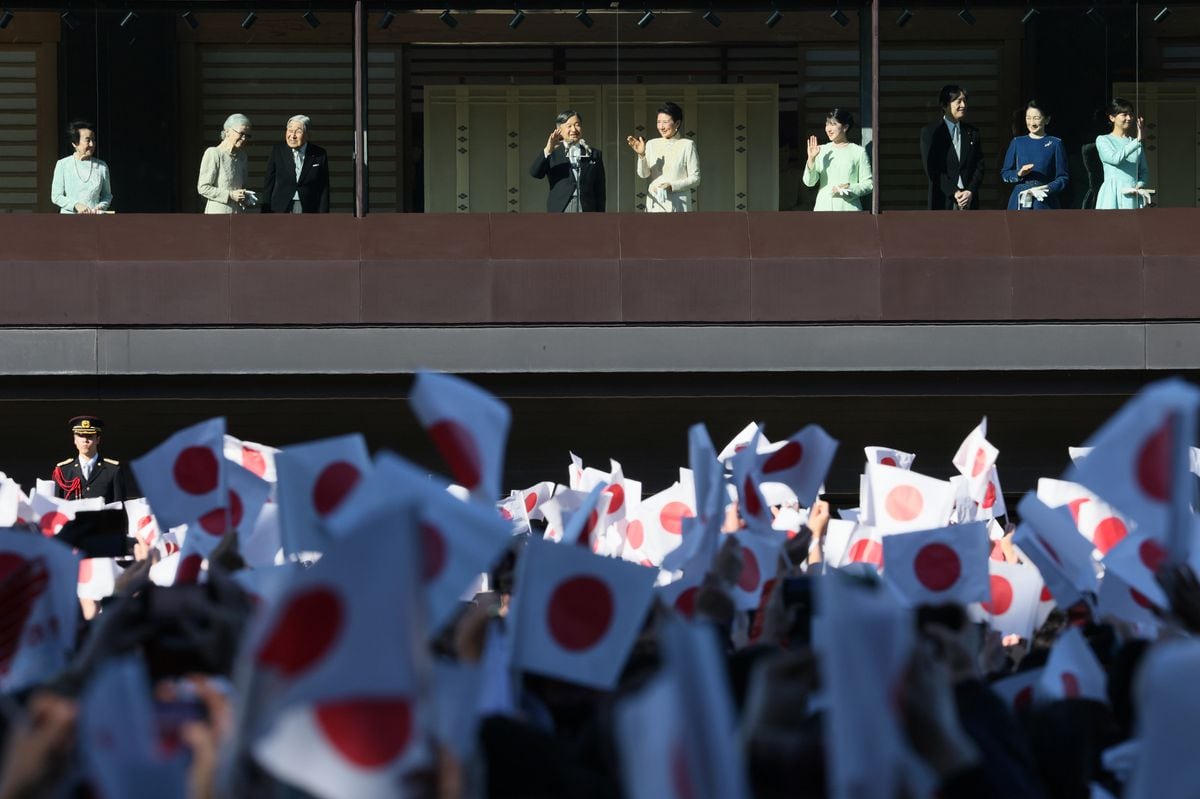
[(1072, 671), (247, 494), (931, 567), (97, 578), (1052, 530), (886, 456), (760, 561), (577, 615), (1077, 454), (655, 765), (992, 505), (742, 440), (868, 642), (799, 462), (658, 528), (51, 513), (1097, 521), (258, 459), (1139, 460), (680, 595), (468, 426), (701, 534), (864, 546), (315, 479), (118, 736), (904, 500), (263, 545), (1168, 713), (142, 524), (975, 458), (534, 496), (183, 478), (1015, 592), (38, 608), (11, 498), (1122, 601), (1136, 561), (752, 506)]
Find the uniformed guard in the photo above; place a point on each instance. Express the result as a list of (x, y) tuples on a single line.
[(87, 474)]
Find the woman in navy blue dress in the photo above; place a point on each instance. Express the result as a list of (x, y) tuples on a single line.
[(1037, 162)]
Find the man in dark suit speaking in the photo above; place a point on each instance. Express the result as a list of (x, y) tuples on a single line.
[(952, 154), (297, 174), (575, 170)]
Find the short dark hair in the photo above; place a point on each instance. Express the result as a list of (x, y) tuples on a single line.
[(672, 110), (1117, 106), (842, 117), (76, 126), (565, 115), (950, 93)]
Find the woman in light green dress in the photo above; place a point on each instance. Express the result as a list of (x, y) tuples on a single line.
[(1125, 169), (840, 169)]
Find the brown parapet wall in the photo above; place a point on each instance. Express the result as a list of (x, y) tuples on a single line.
[(449, 269)]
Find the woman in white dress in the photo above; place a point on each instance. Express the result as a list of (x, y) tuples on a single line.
[(223, 170), (671, 163), (81, 182)]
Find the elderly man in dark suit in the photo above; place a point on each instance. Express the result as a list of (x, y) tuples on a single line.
[(297, 174), (575, 170), (952, 154)]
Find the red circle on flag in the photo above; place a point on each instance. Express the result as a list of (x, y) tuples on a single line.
[(85, 570), (1074, 506), (866, 550), (753, 505), (433, 552), (531, 501), (304, 632), (580, 612), (989, 497), (458, 448), (196, 470), (188, 571), (904, 503), (1108, 534), (635, 535), (980, 462), (333, 484), (937, 566), (784, 458), (1154, 464), (51, 523), (888, 460), (1152, 554), (253, 460), (1140, 599), (618, 497), (505, 515), (1002, 596), (213, 522), (751, 574), (1045, 596), (672, 515), (685, 603), (1070, 684), (368, 732)]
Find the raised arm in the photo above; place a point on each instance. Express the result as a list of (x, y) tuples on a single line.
[(1115, 154)]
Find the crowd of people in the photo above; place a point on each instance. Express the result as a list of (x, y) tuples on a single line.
[(297, 178), (341, 625)]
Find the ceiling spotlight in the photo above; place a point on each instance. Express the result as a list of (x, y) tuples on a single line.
[(5, 18), (774, 19), (69, 19), (1161, 16), (311, 19), (448, 19), (584, 18), (711, 18), (517, 19), (966, 16), (129, 19), (190, 19), (249, 21), (903, 19), (387, 19), (646, 19), (1095, 15), (1029, 15), (840, 17)]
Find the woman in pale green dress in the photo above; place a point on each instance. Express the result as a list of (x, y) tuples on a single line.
[(1124, 159), (840, 169)]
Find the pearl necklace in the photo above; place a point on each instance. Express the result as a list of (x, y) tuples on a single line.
[(91, 169)]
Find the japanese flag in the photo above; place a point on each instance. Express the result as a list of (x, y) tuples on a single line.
[(1096, 520), (885, 456), (865, 545), (575, 472), (1168, 712), (1072, 671), (658, 528), (1136, 561), (576, 615), (51, 513), (533, 497), (38, 608), (258, 459), (1015, 589), (263, 545), (975, 458), (142, 524), (752, 506), (247, 495), (468, 426), (680, 595), (903, 500), (992, 505), (937, 566), (800, 462), (1017, 691), (186, 566), (743, 440), (97, 578), (760, 562), (314, 480), (183, 478), (652, 740), (708, 481), (574, 517), (1120, 600), (1052, 531), (11, 498), (1139, 461)]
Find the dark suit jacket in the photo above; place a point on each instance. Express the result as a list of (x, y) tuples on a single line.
[(557, 168), (107, 480), (943, 167), (282, 184)]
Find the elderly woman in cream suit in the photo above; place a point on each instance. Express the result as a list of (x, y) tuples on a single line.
[(671, 163), (223, 170)]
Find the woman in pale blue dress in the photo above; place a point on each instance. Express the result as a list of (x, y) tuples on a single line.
[(1124, 160)]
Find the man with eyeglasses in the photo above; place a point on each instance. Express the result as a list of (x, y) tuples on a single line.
[(297, 173)]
